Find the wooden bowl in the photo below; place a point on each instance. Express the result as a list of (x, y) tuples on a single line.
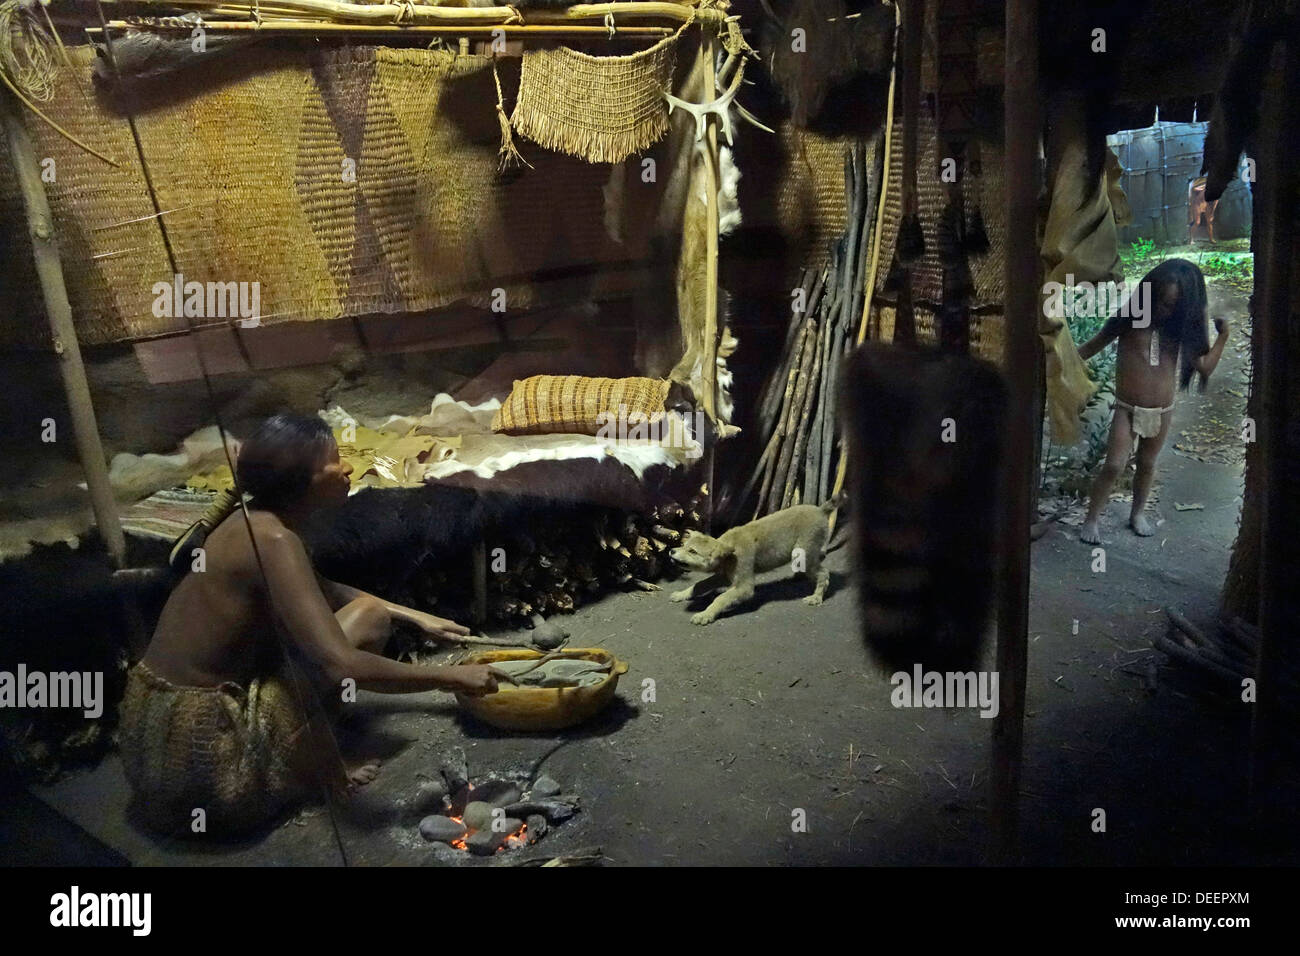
[(542, 708)]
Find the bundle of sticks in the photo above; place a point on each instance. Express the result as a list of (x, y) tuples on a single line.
[(1227, 657), (555, 566), (796, 415)]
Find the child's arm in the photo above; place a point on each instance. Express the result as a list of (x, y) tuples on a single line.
[(1099, 341), (1210, 360)]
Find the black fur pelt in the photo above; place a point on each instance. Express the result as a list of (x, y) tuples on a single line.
[(1235, 116), (62, 613), (1068, 63), (844, 67), (381, 539), (925, 509)]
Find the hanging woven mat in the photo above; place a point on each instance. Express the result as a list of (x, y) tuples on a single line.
[(598, 108)]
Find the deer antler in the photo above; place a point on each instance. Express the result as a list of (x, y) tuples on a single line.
[(719, 106)]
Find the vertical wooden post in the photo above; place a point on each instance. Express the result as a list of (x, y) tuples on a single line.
[(708, 48), (58, 311), (1022, 351), (1276, 310)]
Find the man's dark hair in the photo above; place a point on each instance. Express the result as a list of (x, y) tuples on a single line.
[(1186, 328), (277, 462)]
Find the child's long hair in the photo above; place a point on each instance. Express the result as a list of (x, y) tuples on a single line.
[(1186, 329)]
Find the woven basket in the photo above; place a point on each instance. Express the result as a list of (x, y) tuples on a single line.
[(577, 404), (599, 108)]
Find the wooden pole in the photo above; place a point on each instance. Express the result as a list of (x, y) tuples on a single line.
[(708, 42), (1276, 310), (273, 27), (877, 230), (1022, 350), (400, 13), (58, 311)]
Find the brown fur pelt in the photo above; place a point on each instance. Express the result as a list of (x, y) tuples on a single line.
[(924, 507), (844, 67)]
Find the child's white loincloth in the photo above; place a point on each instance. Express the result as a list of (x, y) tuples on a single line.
[(1146, 421)]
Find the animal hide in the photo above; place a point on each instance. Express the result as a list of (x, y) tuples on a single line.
[(847, 51), (924, 437), (1235, 116), (485, 453)]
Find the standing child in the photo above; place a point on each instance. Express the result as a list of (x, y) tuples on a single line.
[(1172, 336)]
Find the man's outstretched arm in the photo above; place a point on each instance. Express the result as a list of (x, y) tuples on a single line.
[(341, 594)]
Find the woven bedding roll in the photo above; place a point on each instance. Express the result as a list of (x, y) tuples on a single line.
[(577, 404)]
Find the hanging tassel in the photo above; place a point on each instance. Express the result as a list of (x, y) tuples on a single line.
[(508, 153), (977, 239), (911, 241)]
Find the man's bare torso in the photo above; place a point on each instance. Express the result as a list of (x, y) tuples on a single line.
[(217, 625)]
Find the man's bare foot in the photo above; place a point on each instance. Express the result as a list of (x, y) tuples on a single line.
[(362, 774), (1090, 533), (1141, 525)]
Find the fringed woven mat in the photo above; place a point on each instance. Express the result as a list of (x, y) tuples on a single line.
[(598, 108)]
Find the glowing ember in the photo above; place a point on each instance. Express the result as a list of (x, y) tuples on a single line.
[(515, 840)]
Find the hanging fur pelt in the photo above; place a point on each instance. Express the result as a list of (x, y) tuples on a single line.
[(827, 57), (924, 433), (1235, 115)]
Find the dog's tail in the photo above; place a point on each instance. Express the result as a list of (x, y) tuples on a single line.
[(833, 503)]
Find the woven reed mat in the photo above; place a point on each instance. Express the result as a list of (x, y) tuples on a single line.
[(248, 154), (986, 189), (598, 108), (165, 515), (986, 331), (810, 197)]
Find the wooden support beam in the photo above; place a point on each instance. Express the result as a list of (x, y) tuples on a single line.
[(63, 334), (1022, 352), (311, 28), (1276, 311), (712, 332)]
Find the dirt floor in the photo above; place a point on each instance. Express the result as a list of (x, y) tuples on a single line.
[(778, 709)]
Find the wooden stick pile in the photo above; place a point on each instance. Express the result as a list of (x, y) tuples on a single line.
[(796, 415), (555, 566), (1227, 657)]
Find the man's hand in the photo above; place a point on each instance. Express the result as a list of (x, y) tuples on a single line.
[(438, 626), (476, 680), (1221, 326)]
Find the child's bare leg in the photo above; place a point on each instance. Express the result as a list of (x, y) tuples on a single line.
[(1117, 452), (1148, 451)]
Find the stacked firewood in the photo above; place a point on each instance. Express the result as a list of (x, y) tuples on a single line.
[(1227, 657), (796, 414), (554, 568)]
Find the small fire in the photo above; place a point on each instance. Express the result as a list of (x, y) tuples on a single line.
[(460, 844), (517, 839), (513, 842)]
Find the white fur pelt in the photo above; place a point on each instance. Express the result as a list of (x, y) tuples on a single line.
[(485, 453), (728, 192)]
